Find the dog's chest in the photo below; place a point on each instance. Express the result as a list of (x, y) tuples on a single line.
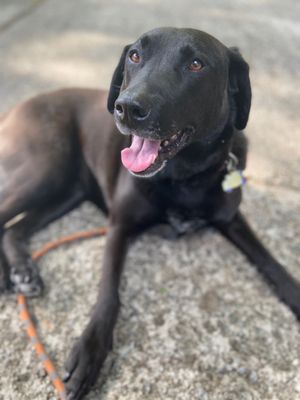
[(186, 205), (183, 223)]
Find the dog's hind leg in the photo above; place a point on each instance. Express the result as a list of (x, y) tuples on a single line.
[(284, 285), (12, 203), (4, 270), (24, 274)]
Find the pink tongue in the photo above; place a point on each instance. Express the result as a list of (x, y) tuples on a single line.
[(141, 154)]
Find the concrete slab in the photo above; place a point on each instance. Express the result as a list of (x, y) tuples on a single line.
[(197, 321)]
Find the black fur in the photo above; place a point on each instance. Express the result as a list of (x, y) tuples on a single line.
[(61, 148)]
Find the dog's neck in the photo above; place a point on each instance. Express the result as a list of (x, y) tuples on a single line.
[(200, 157)]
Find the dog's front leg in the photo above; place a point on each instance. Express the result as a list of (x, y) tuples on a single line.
[(89, 353), (284, 285), (130, 214)]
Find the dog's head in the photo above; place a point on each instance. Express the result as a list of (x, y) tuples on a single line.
[(173, 87)]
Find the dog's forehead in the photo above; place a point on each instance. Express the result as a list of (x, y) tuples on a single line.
[(185, 41)]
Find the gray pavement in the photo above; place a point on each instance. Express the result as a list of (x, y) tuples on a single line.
[(197, 321)]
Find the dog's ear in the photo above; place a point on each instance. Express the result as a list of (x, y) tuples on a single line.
[(239, 87), (116, 81)]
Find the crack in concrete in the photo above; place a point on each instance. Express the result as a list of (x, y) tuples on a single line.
[(20, 15)]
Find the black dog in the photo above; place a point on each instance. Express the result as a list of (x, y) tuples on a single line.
[(180, 98)]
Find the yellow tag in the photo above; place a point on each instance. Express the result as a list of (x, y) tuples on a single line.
[(232, 180)]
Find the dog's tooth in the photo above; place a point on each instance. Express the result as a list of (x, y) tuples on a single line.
[(166, 142), (174, 137)]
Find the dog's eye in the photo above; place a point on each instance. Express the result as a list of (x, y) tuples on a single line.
[(196, 65), (134, 56)]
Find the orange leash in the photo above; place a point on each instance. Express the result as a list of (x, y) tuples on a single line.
[(26, 317)]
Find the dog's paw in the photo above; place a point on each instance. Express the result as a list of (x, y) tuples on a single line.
[(26, 280), (84, 363)]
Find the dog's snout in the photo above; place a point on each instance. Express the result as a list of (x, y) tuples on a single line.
[(119, 109), (131, 110), (138, 112)]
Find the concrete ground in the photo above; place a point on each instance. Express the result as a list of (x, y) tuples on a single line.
[(197, 321)]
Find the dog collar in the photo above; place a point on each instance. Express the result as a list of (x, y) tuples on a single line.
[(234, 177)]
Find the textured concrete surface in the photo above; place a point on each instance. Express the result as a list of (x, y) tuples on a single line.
[(197, 320)]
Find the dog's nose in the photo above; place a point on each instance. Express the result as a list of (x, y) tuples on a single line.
[(131, 110)]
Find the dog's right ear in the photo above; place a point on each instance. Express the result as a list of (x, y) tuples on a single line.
[(116, 81)]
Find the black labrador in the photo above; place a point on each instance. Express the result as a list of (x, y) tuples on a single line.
[(180, 99)]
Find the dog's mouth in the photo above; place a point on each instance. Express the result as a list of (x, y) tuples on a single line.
[(146, 157)]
